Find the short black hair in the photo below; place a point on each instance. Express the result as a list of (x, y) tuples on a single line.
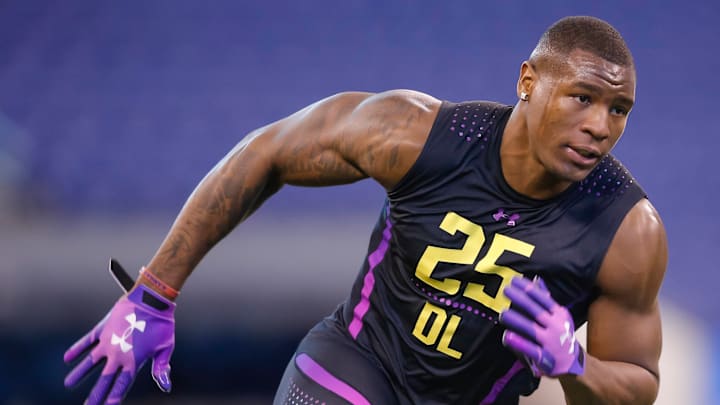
[(585, 33)]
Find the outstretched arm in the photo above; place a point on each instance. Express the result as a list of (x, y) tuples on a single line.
[(624, 334), (338, 140)]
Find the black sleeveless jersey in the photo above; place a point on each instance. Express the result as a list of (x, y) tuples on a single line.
[(451, 236)]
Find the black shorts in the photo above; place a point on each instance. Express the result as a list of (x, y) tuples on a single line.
[(330, 368)]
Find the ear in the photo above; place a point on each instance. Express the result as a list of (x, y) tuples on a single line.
[(527, 79)]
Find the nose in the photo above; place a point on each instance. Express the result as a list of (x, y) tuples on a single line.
[(596, 123)]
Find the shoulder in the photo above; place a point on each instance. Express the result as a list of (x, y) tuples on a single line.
[(393, 127), (380, 118), (380, 135), (635, 263), (395, 104), (349, 106)]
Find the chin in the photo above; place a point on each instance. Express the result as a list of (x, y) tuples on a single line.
[(572, 174)]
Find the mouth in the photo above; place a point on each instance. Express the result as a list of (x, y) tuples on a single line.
[(583, 156)]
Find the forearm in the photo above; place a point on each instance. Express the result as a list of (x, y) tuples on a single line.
[(228, 194), (608, 382)]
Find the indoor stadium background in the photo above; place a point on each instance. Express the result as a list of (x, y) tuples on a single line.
[(112, 111)]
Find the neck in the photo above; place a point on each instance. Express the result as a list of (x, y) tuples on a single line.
[(521, 169)]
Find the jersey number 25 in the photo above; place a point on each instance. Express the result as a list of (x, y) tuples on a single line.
[(467, 255)]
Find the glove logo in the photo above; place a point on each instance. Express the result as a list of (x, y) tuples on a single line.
[(568, 335), (122, 340)]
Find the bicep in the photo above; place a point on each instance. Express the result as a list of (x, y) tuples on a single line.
[(618, 333), (624, 322)]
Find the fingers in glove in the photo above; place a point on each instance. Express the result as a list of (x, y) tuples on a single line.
[(521, 283), (541, 359), (517, 322), (542, 296), (520, 299), (536, 292), (120, 388), (521, 345), (82, 370), (102, 387), (161, 369), (81, 346)]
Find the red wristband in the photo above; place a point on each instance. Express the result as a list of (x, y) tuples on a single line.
[(159, 284)]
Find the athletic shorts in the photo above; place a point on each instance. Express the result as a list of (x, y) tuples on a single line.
[(329, 368)]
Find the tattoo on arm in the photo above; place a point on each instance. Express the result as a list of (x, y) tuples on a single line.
[(379, 138), (345, 139), (228, 195)]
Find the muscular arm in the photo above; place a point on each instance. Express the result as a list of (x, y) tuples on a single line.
[(624, 334), (337, 140)]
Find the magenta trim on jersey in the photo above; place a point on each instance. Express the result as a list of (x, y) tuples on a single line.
[(323, 377), (369, 282), (501, 382)]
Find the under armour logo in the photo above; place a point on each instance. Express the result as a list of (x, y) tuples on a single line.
[(502, 215), (122, 340), (568, 335)]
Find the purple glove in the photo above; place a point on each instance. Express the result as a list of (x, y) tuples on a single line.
[(141, 325), (542, 331)]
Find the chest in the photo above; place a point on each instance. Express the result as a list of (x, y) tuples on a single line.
[(472, 251)]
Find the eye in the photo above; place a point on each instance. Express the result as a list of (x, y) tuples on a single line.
[(619, 111), (582, 98)]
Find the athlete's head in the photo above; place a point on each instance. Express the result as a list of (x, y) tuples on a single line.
[(580, 87), (585, 33)]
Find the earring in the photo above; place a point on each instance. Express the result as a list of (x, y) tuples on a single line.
[(524, 96)]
